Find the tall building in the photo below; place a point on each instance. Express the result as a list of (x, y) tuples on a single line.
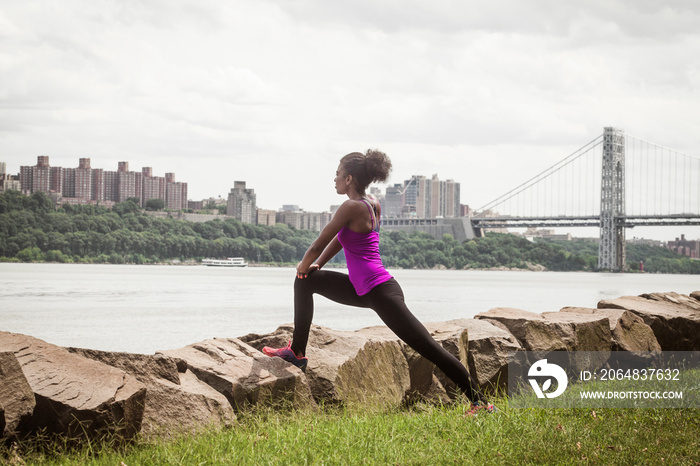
[(242, 203), (8, 182), (111, 186), (153, 186), (36, 178), (450, 193), (685, 247), (301, 220), (129, 183), (266, 217), (393, 201), (83, 180), (176, 193), (423, 198)]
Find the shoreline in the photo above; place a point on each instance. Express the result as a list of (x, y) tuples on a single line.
[(343, 266)]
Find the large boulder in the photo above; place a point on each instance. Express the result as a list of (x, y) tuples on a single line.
[(16, 396), (424, 381), (674, 318), (347, 367), (482, 347), (242, 374), (629, 332), (75, 395), (545, 333), (489, 349), (175, 402), (695, 295)]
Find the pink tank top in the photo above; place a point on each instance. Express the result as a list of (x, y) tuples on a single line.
[(365, 266)]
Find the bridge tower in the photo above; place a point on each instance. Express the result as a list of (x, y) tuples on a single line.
[(611, 252)]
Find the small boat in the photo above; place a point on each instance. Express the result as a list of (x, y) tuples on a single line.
[(228, 262)]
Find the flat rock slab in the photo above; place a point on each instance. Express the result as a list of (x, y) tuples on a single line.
[(176, 402), (75, 395), (557, 331), (348, 367), (629, 332), (17, 400), (242, 374), (674, 318), (553, 331)]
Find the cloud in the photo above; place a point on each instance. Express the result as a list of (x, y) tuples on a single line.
[(274, 92)]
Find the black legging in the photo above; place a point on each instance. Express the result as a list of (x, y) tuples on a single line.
[(387, 301)]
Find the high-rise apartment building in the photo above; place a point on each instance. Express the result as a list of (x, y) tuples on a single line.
[(111, 186), (242, 203), (423, 198), (153, 186), (85, 184), (129, 183), (36, 178), (176, 194), (266, 217), (83, 180), (301, 220), (8, 182)]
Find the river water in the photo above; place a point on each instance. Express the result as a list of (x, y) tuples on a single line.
[(144, 308)]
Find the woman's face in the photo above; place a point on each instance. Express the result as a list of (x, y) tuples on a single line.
[(341, 180)]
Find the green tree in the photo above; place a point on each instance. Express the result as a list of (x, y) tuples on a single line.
[(155, 204)]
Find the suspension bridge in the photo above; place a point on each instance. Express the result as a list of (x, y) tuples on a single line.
[(616, 181)]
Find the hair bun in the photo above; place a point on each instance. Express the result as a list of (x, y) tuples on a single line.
[(378, 165)]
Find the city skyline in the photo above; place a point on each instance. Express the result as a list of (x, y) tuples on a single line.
[(86, 185), (663, 234)]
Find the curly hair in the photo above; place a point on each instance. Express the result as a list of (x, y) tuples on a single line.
[(367, 168)]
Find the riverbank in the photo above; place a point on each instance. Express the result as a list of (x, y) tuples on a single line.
[(421, 434), (87, 394)]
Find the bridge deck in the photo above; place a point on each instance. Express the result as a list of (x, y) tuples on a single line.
[(553, 222)]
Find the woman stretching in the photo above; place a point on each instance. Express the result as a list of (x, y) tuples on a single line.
[(355, 228)]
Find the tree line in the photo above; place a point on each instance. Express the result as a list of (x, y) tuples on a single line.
[(33, 229)]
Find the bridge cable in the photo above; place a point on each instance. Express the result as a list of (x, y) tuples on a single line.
[(562, 163)]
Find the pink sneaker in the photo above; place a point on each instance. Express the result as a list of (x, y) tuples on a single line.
[(288, 355), (476, 408)]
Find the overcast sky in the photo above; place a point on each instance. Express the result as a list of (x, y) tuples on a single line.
[(274, 92)]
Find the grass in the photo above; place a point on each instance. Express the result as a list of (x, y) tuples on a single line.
[(422, 434)]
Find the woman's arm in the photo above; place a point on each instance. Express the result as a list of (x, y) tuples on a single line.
[(326, 245), (329, 253)]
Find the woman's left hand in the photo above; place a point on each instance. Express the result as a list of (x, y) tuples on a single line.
[(305, 273)]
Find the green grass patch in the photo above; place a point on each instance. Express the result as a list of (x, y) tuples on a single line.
[(422, 434)]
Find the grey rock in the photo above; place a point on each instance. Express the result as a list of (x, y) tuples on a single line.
[(629, 332), (16, 396), (175, 402), (555, 331), (488, 352), (674, 318), (347, 367), (75, 395), (242, 374)]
